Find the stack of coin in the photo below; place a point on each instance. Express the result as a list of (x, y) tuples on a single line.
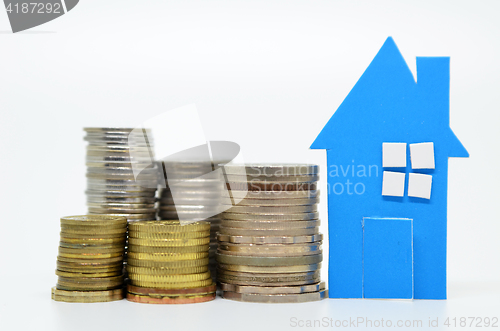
[(121, 174), (192, 193), (90, 260), (168, 262), (269, 244)]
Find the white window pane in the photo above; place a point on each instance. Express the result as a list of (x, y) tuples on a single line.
[(394, 155), (422, 156), (419, 186), (393, 184)]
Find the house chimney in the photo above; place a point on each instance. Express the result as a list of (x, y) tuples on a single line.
[(433, 81)]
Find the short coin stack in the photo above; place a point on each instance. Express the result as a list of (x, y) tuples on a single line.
[(269, 244), (168, 262), (192, 193), (121, 176), (90, 260)]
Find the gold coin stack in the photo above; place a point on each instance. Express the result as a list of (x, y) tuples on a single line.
[(121, 173), (269, 244), (168, 262), (90, 260)]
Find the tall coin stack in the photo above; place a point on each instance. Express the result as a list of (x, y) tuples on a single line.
[(121, 176), (196, 190), (90, 260), (168, 263), (269, 244)]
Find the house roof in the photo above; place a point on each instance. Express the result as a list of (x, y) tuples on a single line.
[(387, 99)]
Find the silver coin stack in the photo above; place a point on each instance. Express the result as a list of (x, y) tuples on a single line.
[(192, 193), (269, 243), (121, 176)]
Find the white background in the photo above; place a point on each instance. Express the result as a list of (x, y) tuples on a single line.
[(265, 74)]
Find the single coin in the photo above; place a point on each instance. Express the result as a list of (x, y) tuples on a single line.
[(166, 257), (167, 264), (90, 260), (121, 181), (86, 236), (279, 202), (171, 300), (170, 278), (273, 233), (275, 298), (188, 208), (243, 278), (271, 225), (86, 284), (271, 179), (127, 188), (165, 271), (268, 261), (269, 216), (92, 270), (92, 220), (182, 242), (87, 294), (129, 217), (121, 205), (169, 285), (255, 281), (271, 186), (168, 226), (90, 265), (92, 250), (107, 200), (273, 289), (192, 194), (93, 256), (171, 292), (270, 270), (167, 250), (168, 235), (272, 169), (93, 231), (269, 277), (270, 249), (133, 211), (119, 193), (92, 287), (190, 201), (69, 274), (269, 239), (113, 130), (92, 241), (195, 216), (120, 177), (238, 195), (91, 245), (62, 298), (271, 209)]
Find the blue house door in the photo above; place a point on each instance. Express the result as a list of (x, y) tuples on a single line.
[(387, 258)]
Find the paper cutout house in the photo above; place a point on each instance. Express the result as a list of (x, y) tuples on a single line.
[(387, 217)]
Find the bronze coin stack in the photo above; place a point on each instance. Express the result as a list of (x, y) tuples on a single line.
[(269, 244), (168, 262), (90, 259)]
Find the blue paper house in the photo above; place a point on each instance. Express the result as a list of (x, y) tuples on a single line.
[(388, 146)]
